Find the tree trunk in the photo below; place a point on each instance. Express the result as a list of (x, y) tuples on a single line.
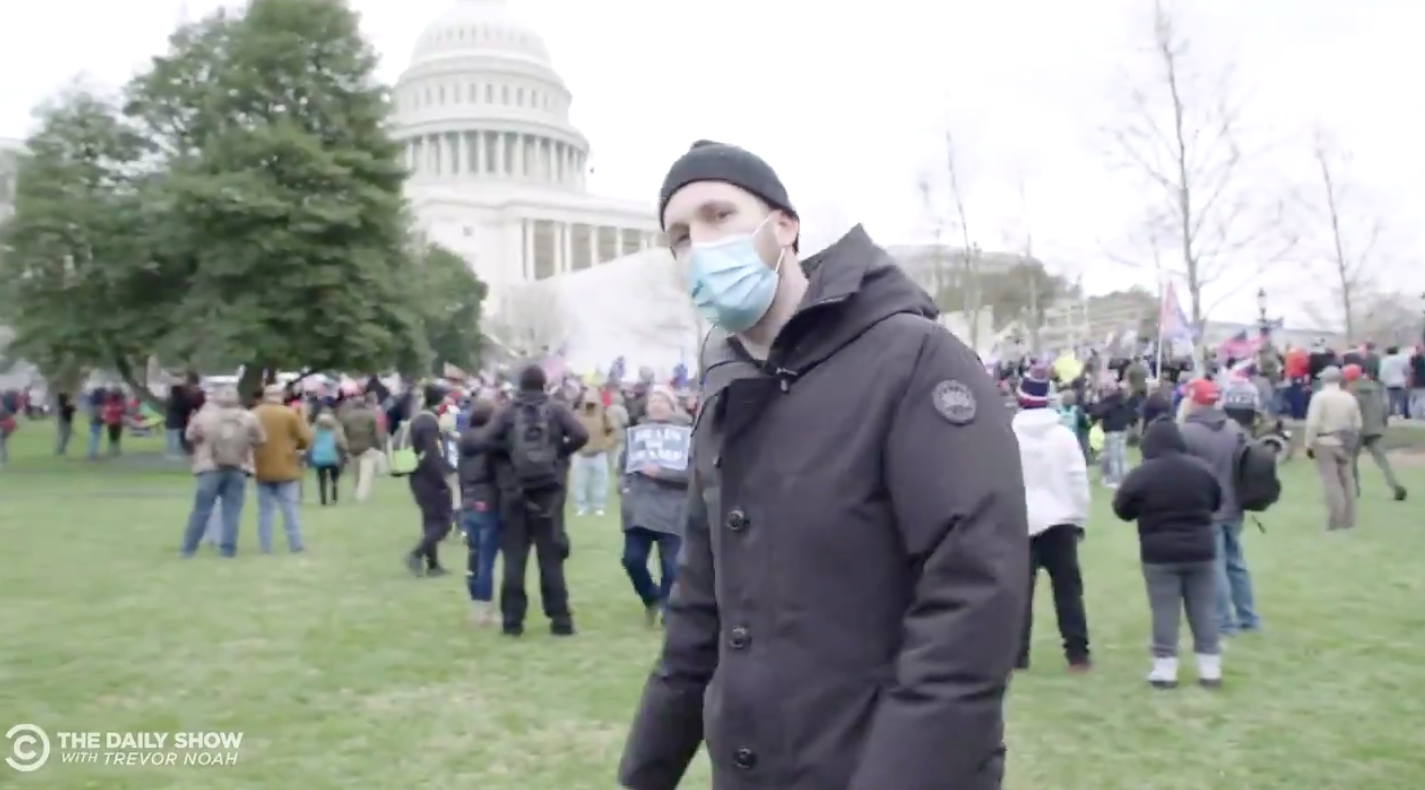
[(251, 382), (138, 387)]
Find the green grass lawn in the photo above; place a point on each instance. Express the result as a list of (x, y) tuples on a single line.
[(343, 672)]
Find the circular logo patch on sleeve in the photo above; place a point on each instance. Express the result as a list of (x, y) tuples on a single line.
[(955, 402)]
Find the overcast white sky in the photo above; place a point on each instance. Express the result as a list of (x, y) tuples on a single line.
[(849, 101)]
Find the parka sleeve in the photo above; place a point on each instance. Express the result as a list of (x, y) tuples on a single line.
[(957, 489), (668, 727)]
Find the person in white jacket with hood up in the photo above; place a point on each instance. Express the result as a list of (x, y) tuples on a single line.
[(1056, 490)]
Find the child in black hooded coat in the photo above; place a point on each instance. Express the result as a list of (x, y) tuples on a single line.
[(1173, 496)]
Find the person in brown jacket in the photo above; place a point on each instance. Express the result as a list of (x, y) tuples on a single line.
[(589, 473), (278, 466)]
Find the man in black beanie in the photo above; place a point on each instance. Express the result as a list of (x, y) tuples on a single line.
[(855, 561), (430, 486)]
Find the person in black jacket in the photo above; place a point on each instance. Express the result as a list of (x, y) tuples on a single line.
[(429, 486), (533, 515), (1115, 416), (1173, 496), (479, 511), (854, 570)]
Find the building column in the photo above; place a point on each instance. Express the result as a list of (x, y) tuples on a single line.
[(500, 154), (645, 241), (482, 156), (520, 160), (530, 272), (594, 232), (462, 139), (428, 143), (566, 246), (409, 155)]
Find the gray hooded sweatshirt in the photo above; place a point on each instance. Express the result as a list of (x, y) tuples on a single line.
[(1212, 436)]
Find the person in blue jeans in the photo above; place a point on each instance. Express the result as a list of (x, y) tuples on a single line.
[(1212, 436), (95, 409), (1236, 609), (479, 511), (223, 435), (653, 510)]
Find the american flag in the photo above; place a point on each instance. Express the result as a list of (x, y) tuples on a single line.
[(1240, 346), (1172, 321)]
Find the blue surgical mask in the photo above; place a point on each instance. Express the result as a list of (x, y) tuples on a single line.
[(729, 282)]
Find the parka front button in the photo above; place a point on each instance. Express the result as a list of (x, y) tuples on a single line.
[(740, 638), (737, 520), (744, 758)]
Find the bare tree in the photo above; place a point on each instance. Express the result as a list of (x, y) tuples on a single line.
[(1022, 238), (1183, 136), (1354, 238), (943, 198), (529, 320), (670, 303)]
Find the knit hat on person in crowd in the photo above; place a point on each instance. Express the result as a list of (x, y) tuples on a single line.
[(1204, 392), (1034, 389), (1331, 375), (1351, 372), (710, 161), (1239, 393)]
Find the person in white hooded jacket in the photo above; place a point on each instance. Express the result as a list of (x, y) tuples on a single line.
[(1056, 490)]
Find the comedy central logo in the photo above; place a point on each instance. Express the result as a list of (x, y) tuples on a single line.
[(29, 748)]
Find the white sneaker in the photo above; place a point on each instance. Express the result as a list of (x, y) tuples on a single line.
[(481, 614), (599, 513), (581, 512), (1164, 674), (1209, 670)]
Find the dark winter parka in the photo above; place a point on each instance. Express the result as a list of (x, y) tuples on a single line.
[(852, 581), (1172, 496)]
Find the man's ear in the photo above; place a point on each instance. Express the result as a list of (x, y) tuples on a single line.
[(789, 228)]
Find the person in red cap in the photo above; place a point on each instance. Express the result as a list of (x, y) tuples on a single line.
[(1375, 412), (1215, 438), (1200, 392)]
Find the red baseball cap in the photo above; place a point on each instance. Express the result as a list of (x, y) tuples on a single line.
[(1204, 392), (1351, 372)]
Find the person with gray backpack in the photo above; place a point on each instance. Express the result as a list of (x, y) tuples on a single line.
[(223, 435)]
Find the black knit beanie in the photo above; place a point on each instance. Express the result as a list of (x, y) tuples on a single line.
[(710, 161)]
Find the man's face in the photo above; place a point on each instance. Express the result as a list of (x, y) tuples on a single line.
[(709, 211)]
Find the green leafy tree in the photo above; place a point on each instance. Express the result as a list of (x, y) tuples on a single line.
[(74, 248), (279, 207), (451, 301)]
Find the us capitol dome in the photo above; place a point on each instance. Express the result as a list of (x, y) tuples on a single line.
[(498, 171)]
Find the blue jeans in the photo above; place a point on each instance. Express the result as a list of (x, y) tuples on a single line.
[(638, 545), (1115, 457), (589, 481), (482, 538), (228, 486), (96, 431), (173, 442), (1236, 609), (280, 495)]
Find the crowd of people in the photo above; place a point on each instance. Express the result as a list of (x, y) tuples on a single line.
[(837, 611)]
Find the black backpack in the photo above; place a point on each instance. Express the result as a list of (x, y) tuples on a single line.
[(534, 453), (1254, 475)]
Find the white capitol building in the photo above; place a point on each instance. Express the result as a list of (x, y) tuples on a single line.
[(498, 176)]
